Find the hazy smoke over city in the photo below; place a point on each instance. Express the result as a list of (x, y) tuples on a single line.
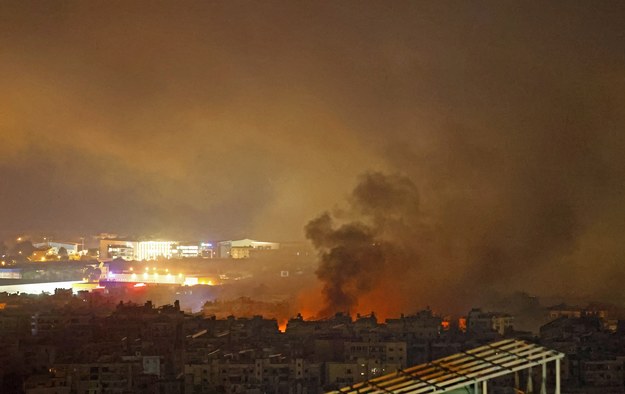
[(226, 120), (386, 252)]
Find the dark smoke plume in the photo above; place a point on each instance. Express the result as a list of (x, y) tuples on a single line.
[(357, 255), (388, 250), (351, 260)]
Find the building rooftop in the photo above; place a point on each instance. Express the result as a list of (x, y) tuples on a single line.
[(460, 370)]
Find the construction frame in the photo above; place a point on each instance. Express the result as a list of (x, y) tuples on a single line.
[(467, 371)]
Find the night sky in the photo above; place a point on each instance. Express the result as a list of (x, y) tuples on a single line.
[(237, 119)]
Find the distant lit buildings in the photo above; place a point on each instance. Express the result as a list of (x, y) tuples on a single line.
[(240, 249), (41, 254), (45, 251), (207, 250), (117, 248), (185, 250), (72, 248), (565, 310), (152, 250), (147, 250)]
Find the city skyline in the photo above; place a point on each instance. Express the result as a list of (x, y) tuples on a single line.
[(297, 197)]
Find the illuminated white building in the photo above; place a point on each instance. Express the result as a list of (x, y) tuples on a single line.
[(152, 250), (135, 250)]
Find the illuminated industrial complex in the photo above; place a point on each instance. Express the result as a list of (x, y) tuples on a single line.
[(153, 250)]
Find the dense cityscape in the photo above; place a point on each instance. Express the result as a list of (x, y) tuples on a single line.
[(125, 323), (306, 197)]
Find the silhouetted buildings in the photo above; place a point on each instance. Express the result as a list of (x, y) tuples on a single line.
[(87, 343)]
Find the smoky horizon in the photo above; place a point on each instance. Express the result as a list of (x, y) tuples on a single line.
[(426, 150)]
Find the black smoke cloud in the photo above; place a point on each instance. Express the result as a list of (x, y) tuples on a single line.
[(369, 241), (351, 261), (385, 239)]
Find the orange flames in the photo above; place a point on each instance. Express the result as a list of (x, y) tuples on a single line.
[(310, 301), (384, 301), (462, 324)]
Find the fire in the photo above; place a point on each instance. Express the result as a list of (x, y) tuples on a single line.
[(385, 302), (462, 324), (282, 325), (310, 301)]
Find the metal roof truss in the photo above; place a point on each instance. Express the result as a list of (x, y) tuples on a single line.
[(462, 369)]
